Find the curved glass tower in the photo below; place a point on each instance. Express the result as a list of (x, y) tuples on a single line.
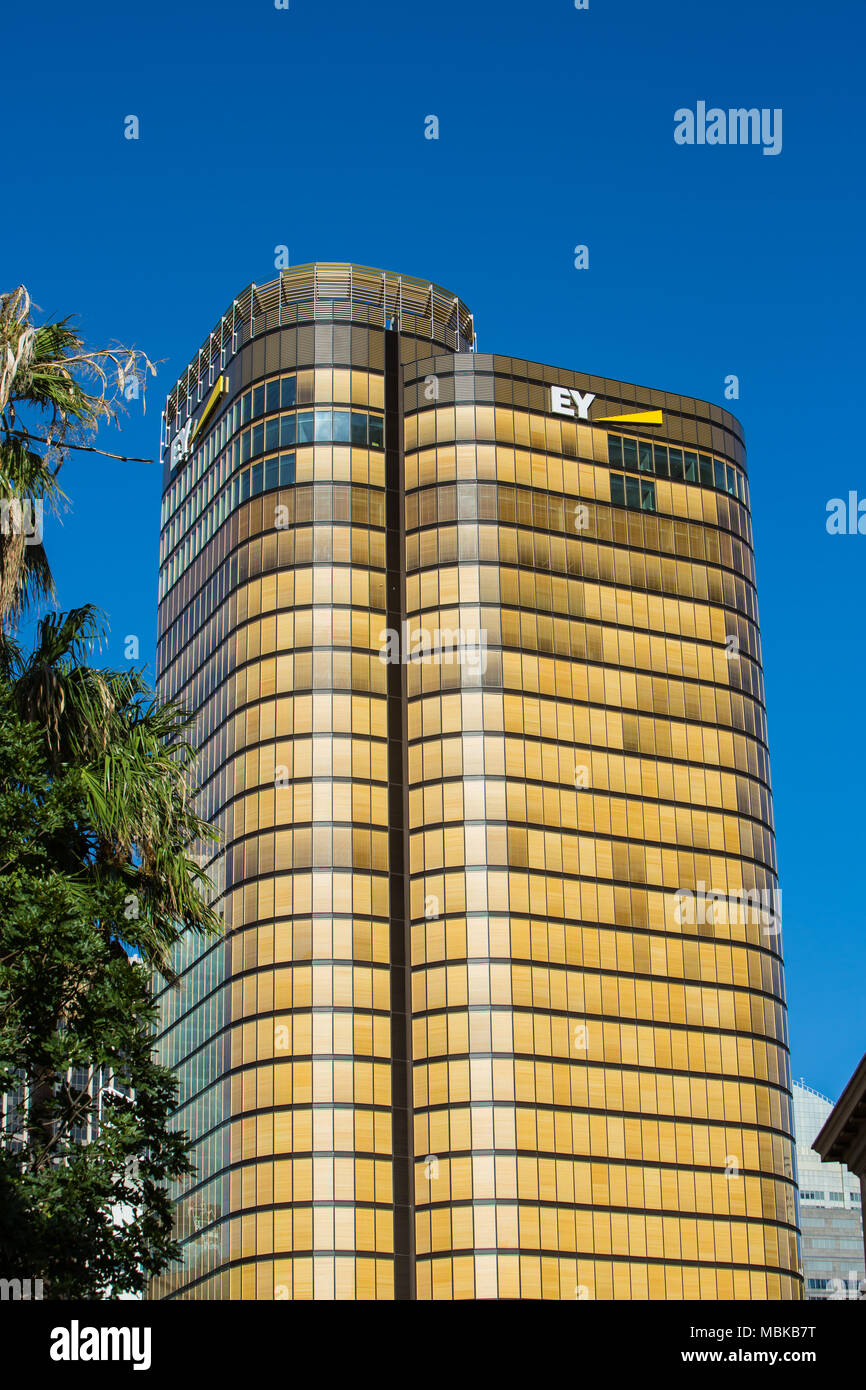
[(473, 642)]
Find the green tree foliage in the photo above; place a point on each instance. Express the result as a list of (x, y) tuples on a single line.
[(98, 876), (95, 870)]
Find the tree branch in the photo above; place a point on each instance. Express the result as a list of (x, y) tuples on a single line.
[(88, 448)]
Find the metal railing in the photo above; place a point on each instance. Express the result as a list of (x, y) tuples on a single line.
[(383, 292)]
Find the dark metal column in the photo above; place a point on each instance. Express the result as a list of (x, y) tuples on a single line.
[(398, 834)]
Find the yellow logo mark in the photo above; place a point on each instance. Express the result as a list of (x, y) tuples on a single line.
[(641, 417), (220, 389)]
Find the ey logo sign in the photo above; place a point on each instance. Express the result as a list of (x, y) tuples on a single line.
[(566, 401), (186, 435)]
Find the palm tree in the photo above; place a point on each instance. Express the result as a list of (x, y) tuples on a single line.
[(118, 760), (132, 754), (53, 392), (134, 763)]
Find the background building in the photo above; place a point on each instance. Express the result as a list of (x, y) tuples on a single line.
[(831, 1221), (463, 1038), (842, 1138)]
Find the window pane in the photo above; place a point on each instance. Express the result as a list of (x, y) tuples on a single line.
[(287, 391), (258, 400), (614, 450), (305, 427), (287, 430), (629, 453), (376, 431), (660, 455), (690, 463), (341, 426), (272, 396)]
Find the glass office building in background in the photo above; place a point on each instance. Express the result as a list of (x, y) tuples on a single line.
[(831, 1219), (499, 1011)]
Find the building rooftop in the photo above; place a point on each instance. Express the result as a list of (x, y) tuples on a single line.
[(843, 1137)]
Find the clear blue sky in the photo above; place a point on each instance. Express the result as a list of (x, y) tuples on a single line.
[(305, 127)]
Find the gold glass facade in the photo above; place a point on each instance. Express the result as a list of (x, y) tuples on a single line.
[(472, 1031)]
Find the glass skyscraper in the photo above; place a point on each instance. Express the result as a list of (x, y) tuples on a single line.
[(473, 641)]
